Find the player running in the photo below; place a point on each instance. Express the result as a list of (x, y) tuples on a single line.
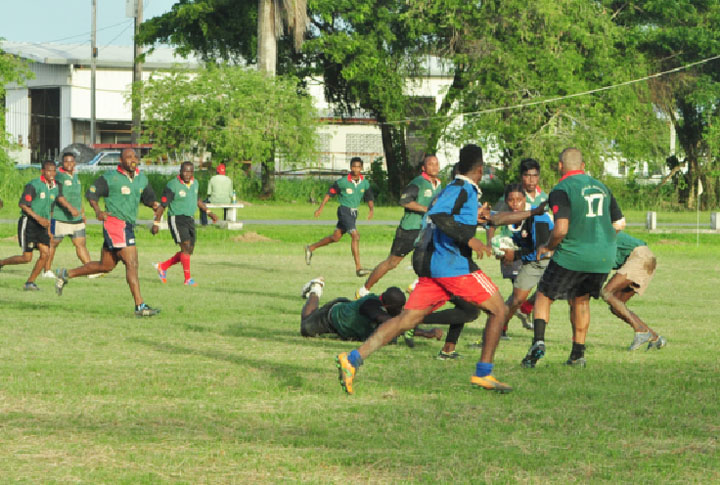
[(181, 196)]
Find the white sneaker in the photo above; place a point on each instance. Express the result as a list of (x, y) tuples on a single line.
[(96, 275), (362, 291), (48, 274), (313, 286)]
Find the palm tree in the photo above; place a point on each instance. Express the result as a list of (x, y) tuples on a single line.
[(273, 15)]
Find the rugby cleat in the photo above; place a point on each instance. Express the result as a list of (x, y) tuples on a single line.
[(580, 362), (144, 310), (526, 323), (448, 355), (640, 339), (47, 274), (308, 255), (657, 344), (162, 274), (362, 272), (61, 279), (313, 286), (535, 353), (362, 291), (190, 282), (490, 383), (409, 337), (346, 372), (31, 286)]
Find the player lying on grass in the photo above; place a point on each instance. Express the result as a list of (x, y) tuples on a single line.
[(635, 265), (351, 319)]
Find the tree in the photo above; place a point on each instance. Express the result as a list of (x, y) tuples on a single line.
[(230, 111), (671, 34)]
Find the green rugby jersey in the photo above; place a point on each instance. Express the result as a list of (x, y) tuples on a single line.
[(39, 195), (122, 193), (181, 198), (350, 193), (625, 245), (349, 322), (589, 245), (420, 190), (72, 191), (539, 199)]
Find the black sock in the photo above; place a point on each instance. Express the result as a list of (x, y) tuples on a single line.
[(539, 325), (578, 351)]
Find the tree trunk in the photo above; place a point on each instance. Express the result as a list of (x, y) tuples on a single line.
[(396, 157), (267, 61)]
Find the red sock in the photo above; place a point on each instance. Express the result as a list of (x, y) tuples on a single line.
[(174, 260), (527, 307), (185, 261)]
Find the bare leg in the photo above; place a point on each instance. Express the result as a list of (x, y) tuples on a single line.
[(390, 329), (381, 270), (495, 308), (355, 248), (108, 261), (54, 243), (81, 250), (23, 258), (40, 263), (517, 298), (542, 307), (310, 306), (332, 238), (128, 255), (580, 317), (616, 294)]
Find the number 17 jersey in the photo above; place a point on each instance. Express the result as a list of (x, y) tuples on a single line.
[(591, 209)]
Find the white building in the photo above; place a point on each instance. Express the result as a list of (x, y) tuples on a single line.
[(52, 110)]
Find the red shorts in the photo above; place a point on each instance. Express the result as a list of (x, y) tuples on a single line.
[(435, 292)]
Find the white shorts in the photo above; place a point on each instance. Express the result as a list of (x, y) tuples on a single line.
[(60, 229)]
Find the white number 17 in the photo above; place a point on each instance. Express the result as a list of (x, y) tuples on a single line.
[(595, 201)]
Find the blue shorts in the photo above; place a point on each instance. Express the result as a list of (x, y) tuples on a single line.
[(118, 234)]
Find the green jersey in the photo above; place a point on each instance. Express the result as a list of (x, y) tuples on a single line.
[(40, 196), (350, 322), (182, 198), (625, 246), (122, 193), (72, 191), (591, 209), (351, 192), (422, 190), (532, 202), (220, 189)]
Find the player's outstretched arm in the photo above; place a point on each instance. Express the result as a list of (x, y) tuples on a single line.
[(322, 205)]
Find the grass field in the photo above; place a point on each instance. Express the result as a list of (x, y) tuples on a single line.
[(220, 387)]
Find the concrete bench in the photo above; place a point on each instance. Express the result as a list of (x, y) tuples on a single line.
[(231, 222)]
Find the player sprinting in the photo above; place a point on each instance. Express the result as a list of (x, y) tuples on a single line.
[(445, 266), (181, 198), (415, 200), (635, 265), (583, 240), (122, 189), (350, 190)]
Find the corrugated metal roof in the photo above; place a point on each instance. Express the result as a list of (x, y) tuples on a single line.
[(110, 56)]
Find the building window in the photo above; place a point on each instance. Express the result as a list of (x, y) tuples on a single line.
[(366, 146)]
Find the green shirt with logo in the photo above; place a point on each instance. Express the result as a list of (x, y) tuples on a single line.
[(625, 245), (350, 193), (181, 198), (349, 322), (39, 196), (589, 245), (421, 190), (72, 191), (122, 193)]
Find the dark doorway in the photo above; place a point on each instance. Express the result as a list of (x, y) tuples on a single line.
[(44, 123)]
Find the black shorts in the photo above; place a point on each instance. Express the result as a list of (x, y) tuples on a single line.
[(30, 234), (182, 229), (558, 283), (318, 322), (346, 219), (404, 241)]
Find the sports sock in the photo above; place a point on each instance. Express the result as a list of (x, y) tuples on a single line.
[(483, 369), (185, 261), (539, 328), (527, 307), (578, 351), (355, 358), (174, 260)]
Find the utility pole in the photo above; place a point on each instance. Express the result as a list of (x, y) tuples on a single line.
[(137, 76), (93, 59)]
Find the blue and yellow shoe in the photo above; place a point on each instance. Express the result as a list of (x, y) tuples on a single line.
[(346, 372), (490, 383)]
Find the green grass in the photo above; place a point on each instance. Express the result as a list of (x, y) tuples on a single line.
[(220, 387)]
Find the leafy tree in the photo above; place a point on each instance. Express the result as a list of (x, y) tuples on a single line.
[(671, 34), (230, 111)]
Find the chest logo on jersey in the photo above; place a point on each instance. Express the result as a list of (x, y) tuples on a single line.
[(125, 190), (349, 190), (68, 182), (428, 193), (524, 234), (182, 193), (42, 195)]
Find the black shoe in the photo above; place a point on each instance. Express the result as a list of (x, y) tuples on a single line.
[(409, 338), (144, 310), (580, 362), (535, 353)]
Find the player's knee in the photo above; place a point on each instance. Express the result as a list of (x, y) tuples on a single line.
[(26, 257), (355, 235)]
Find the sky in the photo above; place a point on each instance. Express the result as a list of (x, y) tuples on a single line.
[(68, 21)]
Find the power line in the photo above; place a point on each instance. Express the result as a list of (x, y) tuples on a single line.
[(79, 35)]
